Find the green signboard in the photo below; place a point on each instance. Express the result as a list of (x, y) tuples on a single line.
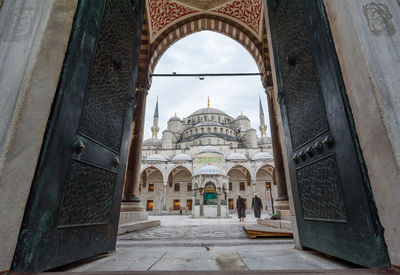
[(208, 160)]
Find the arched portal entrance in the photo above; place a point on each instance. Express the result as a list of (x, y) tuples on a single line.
[(209, 193), (88, 135)]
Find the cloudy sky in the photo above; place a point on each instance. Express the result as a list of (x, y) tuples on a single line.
[(205, 52)]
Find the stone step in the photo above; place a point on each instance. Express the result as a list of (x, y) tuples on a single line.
[(284, 214), (135, 226), (283, 224), (257, 230)]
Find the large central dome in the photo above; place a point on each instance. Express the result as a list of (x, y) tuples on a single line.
[(208, 111)]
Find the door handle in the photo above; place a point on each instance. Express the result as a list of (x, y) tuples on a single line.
[(116, 162), (79, 146)]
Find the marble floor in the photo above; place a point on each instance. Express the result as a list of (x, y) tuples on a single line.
[(182, 243)]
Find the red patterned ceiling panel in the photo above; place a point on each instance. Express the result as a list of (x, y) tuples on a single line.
[(164, 12), (247, 11)]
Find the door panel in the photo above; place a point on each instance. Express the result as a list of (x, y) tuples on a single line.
[(74, 204), (334, 205)]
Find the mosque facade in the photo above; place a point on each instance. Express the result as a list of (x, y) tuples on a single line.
[(203, 161)]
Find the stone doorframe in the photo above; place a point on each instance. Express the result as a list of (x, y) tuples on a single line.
[(370, 74)]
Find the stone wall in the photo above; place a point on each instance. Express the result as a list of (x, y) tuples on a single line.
[(368, 50), (33, 39)]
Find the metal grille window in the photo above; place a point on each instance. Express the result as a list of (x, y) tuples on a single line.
[(241, 186), (151, 187), (177, 187)]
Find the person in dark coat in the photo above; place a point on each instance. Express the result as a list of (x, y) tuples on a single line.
[(256, 205), (241, 208)]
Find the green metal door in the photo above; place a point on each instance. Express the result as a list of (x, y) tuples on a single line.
[(74, 204), (209, 196), (333, 201)]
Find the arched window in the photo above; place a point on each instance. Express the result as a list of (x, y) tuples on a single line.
[(208, 130)]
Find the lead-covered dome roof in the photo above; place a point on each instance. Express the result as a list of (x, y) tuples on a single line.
[(210, 149), (182, 157), (175, 118), (262, 156), (236, 157), (242, 117), (210, 170), (152, 142), (208, 111), (156, 157)]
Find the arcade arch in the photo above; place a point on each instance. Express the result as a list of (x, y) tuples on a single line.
[(179, 189)]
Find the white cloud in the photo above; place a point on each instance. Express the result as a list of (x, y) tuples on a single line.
[(205, 52)]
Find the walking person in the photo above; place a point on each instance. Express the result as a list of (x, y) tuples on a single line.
[(256, 205), (241, 208)]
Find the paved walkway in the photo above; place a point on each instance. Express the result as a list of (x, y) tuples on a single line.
[(182, 243)]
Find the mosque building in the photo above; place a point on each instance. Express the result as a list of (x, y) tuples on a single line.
[(203, 161)]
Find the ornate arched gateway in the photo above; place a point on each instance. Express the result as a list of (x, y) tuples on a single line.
[(76, 190)]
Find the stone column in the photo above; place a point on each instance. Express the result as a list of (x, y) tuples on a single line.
[(218, 204), (280, 177), (201, 202), (164, 206), (193, 202), (227, 202), (253, 184), (131, 201)]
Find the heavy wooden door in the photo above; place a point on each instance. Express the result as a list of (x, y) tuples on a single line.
[(334, 205), (74, 203)]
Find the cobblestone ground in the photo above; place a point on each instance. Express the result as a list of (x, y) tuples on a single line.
[(182, 243), (186, 228), (188, 232)]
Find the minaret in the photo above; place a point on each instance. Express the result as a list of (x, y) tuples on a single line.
[(154, 128), (263, 128)]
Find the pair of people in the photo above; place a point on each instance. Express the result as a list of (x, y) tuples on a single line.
[(256, 206)]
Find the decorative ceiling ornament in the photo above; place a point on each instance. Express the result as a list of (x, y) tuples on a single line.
[(164, 12), (248, 12), (204, 4)]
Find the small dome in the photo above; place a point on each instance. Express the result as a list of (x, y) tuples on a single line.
[(175, 118), (236, 157), (210, 149), (264, 140), (262, 156), (210, 170), (182, 157), (156, 157), (152, 142), (242, 117), (208, 111)]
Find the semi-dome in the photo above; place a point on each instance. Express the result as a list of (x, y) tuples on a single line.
[(264, 140), (156, 157), (242, 117), (182, 157), (236, 157), (210, 170), (210, 149), (152, 142), (208, 111), (175, 118), (262, 156)]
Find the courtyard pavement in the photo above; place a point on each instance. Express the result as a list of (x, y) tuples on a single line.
[(183, 243)]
